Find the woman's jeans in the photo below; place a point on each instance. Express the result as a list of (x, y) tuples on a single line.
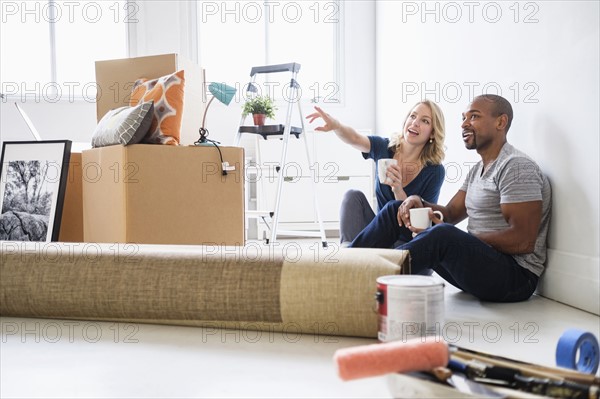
[(355, 214), (459, 257)]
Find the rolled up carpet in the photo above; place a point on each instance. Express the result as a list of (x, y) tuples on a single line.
[(254, 287)]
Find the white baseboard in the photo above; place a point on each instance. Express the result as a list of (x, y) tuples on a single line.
[(572, 279)]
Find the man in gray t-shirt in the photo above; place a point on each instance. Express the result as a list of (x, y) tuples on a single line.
[(512, 178), (507, 200)]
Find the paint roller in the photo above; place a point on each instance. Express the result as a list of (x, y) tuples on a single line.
[(391, 357)]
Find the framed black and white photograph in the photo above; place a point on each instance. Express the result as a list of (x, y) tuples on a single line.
[(32, 189)]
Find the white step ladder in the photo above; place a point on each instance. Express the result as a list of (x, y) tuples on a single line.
[(271, 218)]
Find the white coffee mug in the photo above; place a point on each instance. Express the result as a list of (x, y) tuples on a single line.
[(419, 217), (382, 166)]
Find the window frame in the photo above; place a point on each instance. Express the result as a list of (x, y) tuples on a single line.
[(51, 92)]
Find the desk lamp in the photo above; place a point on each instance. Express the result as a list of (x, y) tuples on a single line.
[(221, 92), (224, 94)]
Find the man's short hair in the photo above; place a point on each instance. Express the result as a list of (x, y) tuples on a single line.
[(501, 106)]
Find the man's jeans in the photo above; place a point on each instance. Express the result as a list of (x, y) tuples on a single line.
[(460, 258)]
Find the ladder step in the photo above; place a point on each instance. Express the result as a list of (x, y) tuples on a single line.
[(270, 130)]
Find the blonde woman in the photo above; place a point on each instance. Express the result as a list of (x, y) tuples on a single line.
[(418, 150)]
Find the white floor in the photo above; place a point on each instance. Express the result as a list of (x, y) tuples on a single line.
[(80, 359)]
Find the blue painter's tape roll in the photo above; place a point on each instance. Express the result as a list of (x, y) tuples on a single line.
[(578, 350)]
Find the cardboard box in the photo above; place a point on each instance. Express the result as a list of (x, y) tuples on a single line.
[(71, 225), (158, 194), (115, 79)]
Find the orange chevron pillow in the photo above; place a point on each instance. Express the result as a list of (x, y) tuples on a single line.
[(167, 94)]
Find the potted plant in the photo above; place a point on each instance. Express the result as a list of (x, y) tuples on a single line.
[(261, 107)]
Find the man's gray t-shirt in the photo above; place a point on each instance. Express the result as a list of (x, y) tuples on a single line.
[(513, 177)]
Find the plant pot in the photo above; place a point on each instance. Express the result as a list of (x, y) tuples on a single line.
[(259, 119)]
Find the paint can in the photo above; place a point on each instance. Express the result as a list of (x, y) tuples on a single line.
[(409, 307)]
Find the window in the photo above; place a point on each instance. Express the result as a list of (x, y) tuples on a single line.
[(48, 48), (234, 36)]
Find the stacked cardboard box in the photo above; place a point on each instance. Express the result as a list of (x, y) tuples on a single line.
[(159, 194)]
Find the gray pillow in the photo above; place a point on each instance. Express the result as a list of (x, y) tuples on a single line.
[(125, 125)]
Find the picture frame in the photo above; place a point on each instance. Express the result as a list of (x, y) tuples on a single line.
[(33, 180)]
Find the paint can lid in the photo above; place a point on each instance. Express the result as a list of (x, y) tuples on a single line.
[(408, 281)]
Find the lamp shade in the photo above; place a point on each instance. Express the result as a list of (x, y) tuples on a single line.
[(222, 92)]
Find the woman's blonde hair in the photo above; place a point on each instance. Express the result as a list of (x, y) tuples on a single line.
[(432, 153)]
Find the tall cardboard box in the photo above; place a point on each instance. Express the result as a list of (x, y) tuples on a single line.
[(159, 194), (71, 225), (115, 79)]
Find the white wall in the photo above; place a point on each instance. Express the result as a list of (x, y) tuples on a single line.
[(547, 68)]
